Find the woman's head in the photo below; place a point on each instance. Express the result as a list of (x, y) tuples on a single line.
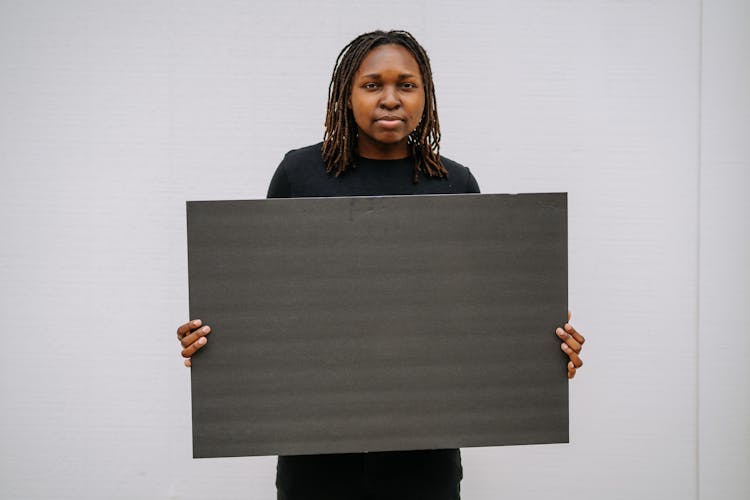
[(390, 106)]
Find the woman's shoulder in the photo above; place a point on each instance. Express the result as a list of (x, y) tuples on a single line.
[(453, 166), (460, 175), (304, 155), (300, 170)]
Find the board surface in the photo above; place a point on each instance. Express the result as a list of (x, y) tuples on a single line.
[(378, 323)]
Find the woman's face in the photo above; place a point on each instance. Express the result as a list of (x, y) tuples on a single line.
[(387, 101)]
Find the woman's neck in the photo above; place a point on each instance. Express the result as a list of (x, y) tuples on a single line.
[(380, 151)]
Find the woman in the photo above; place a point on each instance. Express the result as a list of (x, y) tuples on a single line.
[(382, 138)]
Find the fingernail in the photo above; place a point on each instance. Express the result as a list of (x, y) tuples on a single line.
[(196, 322), (202, 340), (568, 327), (205, 329), (560, 332)]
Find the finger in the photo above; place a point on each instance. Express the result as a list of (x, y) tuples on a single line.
[(183, 330), (189, 339), (188, 363), (571, 370), (574, 357), (192, 348), (569, 315), (568, 339), (572, 331)]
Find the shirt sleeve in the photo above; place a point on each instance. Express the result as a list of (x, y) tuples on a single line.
[(471, 184), (280, 186)]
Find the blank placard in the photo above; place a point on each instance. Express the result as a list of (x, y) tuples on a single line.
[(378, 323)]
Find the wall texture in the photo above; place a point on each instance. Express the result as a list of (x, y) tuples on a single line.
[(114, 113), (724, 280)]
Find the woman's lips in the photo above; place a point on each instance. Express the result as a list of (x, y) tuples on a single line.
[(389, 122)]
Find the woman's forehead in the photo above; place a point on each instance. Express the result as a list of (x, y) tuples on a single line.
[(389, 57)]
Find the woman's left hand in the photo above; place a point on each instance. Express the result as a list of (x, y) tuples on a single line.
[(572, 343)]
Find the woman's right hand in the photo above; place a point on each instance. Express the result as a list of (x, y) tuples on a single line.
[(192, 336)]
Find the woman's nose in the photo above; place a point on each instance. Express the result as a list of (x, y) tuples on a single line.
[(390, 98)]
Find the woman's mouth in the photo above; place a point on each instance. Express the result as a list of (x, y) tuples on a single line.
[(389, 121)]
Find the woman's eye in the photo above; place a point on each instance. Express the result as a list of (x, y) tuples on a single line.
[(370, 86), (409, 85)]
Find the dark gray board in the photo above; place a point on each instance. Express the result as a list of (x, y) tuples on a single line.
[(378, 323)]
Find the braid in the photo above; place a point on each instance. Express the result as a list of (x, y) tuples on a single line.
[(340, 138)]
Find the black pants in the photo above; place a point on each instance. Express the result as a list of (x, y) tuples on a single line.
[(409, 475)]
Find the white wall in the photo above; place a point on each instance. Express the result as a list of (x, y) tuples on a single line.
[(114, 113), (723, 340)]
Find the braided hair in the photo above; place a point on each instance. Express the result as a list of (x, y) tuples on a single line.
[(340, 138)]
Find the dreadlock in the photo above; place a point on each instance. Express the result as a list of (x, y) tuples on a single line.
[(340, 138)]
